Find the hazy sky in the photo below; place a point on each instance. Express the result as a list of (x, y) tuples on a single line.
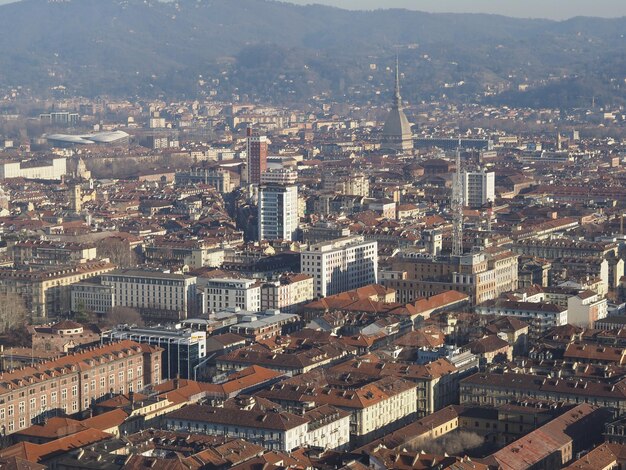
[(555, 9)]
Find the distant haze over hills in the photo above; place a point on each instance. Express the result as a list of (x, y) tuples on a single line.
[(282, 52), (553, 9)]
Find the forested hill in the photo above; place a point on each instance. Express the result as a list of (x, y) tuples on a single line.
[(282, 52)]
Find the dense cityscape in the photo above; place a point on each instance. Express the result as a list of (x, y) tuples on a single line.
[(251, 283)]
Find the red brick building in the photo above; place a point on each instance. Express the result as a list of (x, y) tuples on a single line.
[(70, 384)]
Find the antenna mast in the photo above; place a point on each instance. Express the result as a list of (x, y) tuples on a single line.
[(457, 207)]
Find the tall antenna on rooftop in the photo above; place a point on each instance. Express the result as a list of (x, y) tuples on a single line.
[(457, 207)]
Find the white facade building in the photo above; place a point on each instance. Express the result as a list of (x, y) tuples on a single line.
[(586, 308), (278, 212), (341, 265), (326, 426), (53, 170), (540, 315), (92, 297), (479, 188), (286, 293), (155, 294), (220, 294), (279, 176), (273, 430)]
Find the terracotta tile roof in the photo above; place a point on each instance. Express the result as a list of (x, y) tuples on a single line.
[(488, 344), (16, 463), (550, 438), (55, 428), (426, 337), (248, 377), (320, 393), (80, 360), (228, 454), (528, 383), (595, 353), (41, 452), (604, 456), (120, 401), (106, 420), (141, 462), (267, 419), (228, 339)]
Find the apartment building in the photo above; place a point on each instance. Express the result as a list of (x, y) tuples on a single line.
[(287, 293), (46, 292), (482, 275), (493, 389), (279, 176), (375, 407), (584, 307), (223, 293), (346, 183), (265, 325), (324, 232), (156, 295), (341, 265), (290, 361), (71, 383), (211, 175), (479, 188), (48, 252), (325, 426), (540, 316), (93, 297), (194, 253), (563, 248), (278, 212), (437, 382)]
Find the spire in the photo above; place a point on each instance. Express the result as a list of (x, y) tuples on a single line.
[(397, 99)]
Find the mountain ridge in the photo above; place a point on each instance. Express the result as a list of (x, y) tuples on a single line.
[(134, 47)]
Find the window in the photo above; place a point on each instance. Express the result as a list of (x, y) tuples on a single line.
[(74, 390), (53, 397), (64, 394), (33, 403), (21, 407)]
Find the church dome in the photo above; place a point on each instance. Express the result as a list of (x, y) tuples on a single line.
[(397, 133)]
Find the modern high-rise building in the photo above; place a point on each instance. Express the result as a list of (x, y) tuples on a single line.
[(341, 265), (479, 188), (278, 212), (257, 156)]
